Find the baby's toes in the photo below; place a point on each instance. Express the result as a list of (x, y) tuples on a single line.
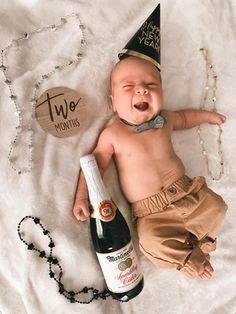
[(207, 271)]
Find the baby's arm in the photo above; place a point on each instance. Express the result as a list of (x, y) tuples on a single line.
[(189, 118), (103, 153)]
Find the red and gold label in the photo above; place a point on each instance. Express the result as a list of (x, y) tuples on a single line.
[(105, 211)]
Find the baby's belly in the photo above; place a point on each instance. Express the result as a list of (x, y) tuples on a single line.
[(142, 183)]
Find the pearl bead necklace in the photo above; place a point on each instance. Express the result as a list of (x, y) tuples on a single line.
[(210, 95), (28, 126)]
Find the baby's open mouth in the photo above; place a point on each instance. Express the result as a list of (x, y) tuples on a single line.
[(142, 106)]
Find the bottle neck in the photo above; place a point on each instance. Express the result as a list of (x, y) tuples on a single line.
[(100, 200), (96, 188)]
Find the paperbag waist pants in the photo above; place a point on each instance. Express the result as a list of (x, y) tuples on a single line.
[(178, 226)]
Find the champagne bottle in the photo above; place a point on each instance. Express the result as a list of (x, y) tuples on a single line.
[(111, 237)]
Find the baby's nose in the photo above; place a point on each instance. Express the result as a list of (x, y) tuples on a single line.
[(141, 90)]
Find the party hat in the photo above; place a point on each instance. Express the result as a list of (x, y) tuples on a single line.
[(146, 42)]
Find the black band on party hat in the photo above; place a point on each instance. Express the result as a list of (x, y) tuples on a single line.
[(146, 42)]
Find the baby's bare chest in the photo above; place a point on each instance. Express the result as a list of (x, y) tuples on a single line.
[(151, 144)]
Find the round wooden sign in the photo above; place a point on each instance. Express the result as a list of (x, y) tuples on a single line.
[(61, 111)]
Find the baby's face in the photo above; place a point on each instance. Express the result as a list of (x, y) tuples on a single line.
[(136, 90)]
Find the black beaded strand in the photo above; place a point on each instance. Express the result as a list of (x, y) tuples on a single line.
[(54, 263)]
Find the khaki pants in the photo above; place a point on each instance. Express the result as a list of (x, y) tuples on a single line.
[(178, 226)]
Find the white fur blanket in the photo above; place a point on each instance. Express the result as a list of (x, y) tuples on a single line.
[(48, 190)]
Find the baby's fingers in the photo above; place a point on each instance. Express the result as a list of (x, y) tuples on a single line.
[(222, 118), (80, 214)]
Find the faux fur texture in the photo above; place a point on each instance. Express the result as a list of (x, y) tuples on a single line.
[(48, 191)]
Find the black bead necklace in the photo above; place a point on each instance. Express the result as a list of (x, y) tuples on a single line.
[(55, 269)]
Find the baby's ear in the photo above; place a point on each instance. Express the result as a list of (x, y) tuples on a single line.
[(113, 106)]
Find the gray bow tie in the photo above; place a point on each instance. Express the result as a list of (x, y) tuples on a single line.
[(155, 123)]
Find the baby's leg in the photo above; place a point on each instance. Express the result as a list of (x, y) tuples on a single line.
[(166, 243), (204, 224), (165, 234), (206, 218), (208, 269), (205, 272)]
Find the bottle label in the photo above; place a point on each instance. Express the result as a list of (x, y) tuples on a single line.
[(120, 269), (105, 211)]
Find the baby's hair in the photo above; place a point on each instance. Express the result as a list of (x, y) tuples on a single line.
[(117, 63)]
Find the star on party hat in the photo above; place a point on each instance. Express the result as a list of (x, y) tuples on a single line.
[(146, 42)]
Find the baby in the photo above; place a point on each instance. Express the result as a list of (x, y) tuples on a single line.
[(177, 218)]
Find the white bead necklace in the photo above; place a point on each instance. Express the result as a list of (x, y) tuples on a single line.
[(24, 125), (210, 96)]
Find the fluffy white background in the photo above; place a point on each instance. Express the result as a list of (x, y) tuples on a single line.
[(48, 191)]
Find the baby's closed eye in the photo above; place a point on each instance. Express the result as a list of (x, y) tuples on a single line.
[(127, 86), (153, 84)]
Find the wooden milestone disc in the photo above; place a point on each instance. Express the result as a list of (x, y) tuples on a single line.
[(61, 111)]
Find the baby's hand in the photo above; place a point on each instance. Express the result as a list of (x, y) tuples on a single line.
[(217, 118), (81, 209)]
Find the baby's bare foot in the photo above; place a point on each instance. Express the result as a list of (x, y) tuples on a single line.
[(208, 269)]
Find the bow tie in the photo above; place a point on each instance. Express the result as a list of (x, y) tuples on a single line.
[(155, 123)]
